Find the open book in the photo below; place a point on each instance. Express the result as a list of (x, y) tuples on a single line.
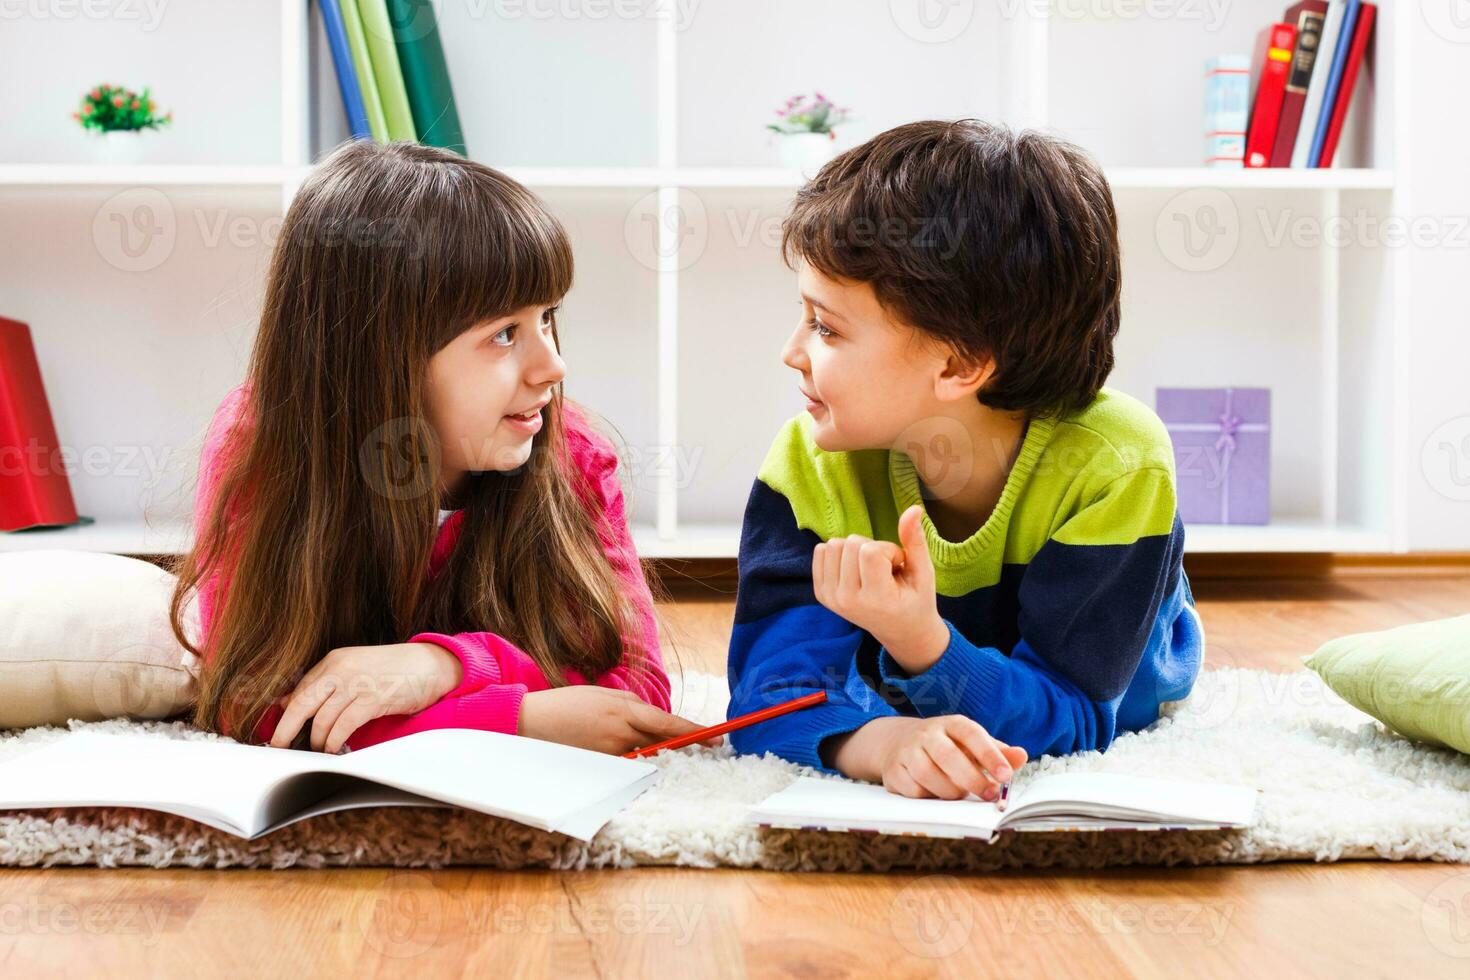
[(252, 790), (1065, 801)]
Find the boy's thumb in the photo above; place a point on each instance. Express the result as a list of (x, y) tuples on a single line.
[(911, 536)]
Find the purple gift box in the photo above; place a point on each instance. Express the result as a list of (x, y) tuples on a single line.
[(1222, 452)]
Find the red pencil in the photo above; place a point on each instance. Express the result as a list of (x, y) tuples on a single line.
[(774, 711)]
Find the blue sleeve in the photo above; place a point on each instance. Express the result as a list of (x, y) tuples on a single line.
[(1086, 620), (785, 644)]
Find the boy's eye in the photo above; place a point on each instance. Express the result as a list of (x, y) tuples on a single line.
[(818, 327)]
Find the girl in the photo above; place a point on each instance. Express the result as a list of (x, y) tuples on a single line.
[(400, 523)]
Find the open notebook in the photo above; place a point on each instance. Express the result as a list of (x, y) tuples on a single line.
[(1065, 801), (252, 790)]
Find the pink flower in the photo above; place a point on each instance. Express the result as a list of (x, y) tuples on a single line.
[(117, 100)]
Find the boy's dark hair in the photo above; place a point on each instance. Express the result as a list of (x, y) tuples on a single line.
[(997, 243)]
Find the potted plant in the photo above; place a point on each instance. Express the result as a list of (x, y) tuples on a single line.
[(807, 131), (119, 116)]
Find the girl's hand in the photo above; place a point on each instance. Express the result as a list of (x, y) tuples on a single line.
[(351, 686), (886, 590), (602, 719)]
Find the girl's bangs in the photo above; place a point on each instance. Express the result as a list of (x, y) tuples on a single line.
[(503, 251)]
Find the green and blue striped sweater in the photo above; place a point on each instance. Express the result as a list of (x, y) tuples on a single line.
[(1069, 612)]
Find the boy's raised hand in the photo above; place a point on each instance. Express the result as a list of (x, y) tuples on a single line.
[(886, 590)]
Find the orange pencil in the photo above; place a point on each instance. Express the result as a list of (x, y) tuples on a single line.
[(774, 711)]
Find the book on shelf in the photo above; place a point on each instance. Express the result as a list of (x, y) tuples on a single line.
[(347, 84), (1269, 68), (33, 492), (1334, 79), (1072, 801), (1362, 35), (1308, 17), (1317, 87), (254, 790), (1302, 78), (1227, 108), (391, 71)]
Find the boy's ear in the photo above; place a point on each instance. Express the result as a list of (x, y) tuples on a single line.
[(961, 377)]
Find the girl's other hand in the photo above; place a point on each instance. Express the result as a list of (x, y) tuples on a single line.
[(351, 686), (602, 719)]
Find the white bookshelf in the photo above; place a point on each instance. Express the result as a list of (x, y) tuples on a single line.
[(690, 340)]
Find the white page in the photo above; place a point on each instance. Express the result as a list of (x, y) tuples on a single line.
[(216, 783), (539, 783), (249, 789), (841, 805), (1167, 799)]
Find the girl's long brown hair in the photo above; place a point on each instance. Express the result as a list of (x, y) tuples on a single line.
[(326, 508)]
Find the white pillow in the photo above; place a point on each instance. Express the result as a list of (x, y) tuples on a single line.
[(86, 635)]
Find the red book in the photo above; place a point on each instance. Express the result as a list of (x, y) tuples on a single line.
[(1361, 34), (1272, 64), (33, 485), (1308, 17)]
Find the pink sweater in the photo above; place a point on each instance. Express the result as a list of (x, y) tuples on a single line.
[(497, 675)]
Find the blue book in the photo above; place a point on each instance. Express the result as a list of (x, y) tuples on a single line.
[(346, 74), (1334, 79)]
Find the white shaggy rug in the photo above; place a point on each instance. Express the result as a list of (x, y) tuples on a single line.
[(1336, 785)]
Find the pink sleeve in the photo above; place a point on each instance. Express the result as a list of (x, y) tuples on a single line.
[(492, 664), (211, 463)]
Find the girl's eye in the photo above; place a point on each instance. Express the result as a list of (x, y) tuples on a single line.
[(549, 317), (507, 333), (818, 327)]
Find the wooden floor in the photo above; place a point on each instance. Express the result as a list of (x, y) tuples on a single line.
[(1348, 919)]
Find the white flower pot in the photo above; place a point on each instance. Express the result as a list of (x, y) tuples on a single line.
[(123, 146), (806, 152)]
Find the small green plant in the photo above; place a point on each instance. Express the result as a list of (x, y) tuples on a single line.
[(814, 114), (111, 107)]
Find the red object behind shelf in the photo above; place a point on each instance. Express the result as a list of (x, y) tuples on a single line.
[(34, 490)]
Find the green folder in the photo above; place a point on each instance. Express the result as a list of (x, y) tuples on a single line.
[(425, 74), (362, 63), (385, 69)]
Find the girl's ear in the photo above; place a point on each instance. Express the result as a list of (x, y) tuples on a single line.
[(960, 378)]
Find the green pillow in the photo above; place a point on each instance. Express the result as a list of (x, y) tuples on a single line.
[(1415, 679)]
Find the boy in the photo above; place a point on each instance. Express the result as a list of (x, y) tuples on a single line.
[(966, 540)]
